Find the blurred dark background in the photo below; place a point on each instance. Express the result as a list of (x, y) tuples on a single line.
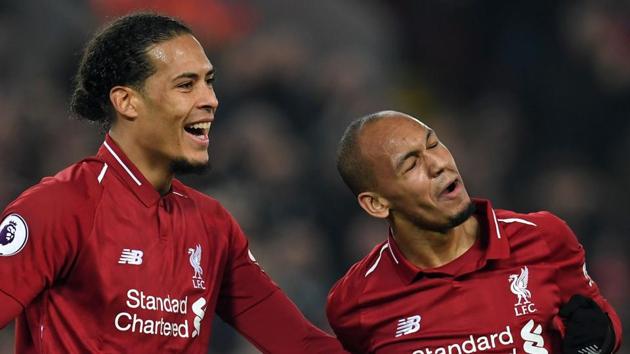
[(532, 98)]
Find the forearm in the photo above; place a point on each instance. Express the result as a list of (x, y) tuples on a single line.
[(276, 326)]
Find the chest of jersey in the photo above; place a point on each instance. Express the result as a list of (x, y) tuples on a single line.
[(502, 309), (151, 271)]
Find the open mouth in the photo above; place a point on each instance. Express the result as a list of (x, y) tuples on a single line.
[(451, 189), (200, 130)]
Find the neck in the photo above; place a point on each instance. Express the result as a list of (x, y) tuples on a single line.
[(156, 171), (431, 249)]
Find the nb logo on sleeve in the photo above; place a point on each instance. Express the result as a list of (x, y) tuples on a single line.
[(408, 325), (129, 256)]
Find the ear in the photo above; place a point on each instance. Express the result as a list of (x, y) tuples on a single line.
[(124, 101), (374, 204)]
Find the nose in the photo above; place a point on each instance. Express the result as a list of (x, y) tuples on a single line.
[(435, 162), (208, 99)]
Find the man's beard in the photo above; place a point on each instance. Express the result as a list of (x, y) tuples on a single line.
[(462, 216), (182, 166), (443, 227)]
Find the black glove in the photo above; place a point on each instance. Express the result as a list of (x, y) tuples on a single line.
[(588, 328)]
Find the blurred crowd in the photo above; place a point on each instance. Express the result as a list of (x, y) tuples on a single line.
[(532, 98)]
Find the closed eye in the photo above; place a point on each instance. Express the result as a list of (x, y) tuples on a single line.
[(185, 85), (434, 144), (431, 139), (411, 165)]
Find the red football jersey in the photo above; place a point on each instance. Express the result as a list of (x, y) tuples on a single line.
[(501, 296), (102, 263)]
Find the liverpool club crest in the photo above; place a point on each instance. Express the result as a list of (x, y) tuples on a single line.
[(195, 263), (518, 286)]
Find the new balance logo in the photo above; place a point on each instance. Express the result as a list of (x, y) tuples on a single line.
[(408, 325), (129, 256)]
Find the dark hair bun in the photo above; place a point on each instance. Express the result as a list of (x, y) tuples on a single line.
[(85, 107)]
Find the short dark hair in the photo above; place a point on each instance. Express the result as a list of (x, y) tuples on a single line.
[(355, 171), (117, 55)]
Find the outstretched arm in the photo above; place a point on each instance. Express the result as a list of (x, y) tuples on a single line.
[(275, 325), (254, 305)]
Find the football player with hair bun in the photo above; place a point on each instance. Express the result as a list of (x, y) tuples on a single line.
[(114, 254)]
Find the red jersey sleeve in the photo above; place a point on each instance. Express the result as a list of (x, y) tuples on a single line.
[(244, 283), (572, 278), (39, 238), (254, 305), (275, 325)]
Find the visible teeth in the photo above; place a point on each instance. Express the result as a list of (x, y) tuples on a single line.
[(200, 125)]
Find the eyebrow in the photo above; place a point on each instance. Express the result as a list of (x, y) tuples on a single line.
[(411, 153), (190, 75)]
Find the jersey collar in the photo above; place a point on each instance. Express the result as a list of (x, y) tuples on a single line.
[(493, 245), (113, 155)]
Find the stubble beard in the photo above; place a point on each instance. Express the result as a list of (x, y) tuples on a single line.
[(453, 221), (462, 216), (183, 167)]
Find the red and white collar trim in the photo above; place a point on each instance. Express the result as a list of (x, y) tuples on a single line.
[(390, 247), (135, 179), (496, 224), (115, 158)]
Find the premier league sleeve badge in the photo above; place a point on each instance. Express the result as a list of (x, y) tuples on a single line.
[(13, 235)]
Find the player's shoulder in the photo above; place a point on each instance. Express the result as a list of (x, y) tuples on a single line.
[(73, 191), (350, 286), (544, 222), (77, 183), (543, 225), (208, 205), (347, 297)]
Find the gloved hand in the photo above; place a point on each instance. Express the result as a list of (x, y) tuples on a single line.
[(588, 328)]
